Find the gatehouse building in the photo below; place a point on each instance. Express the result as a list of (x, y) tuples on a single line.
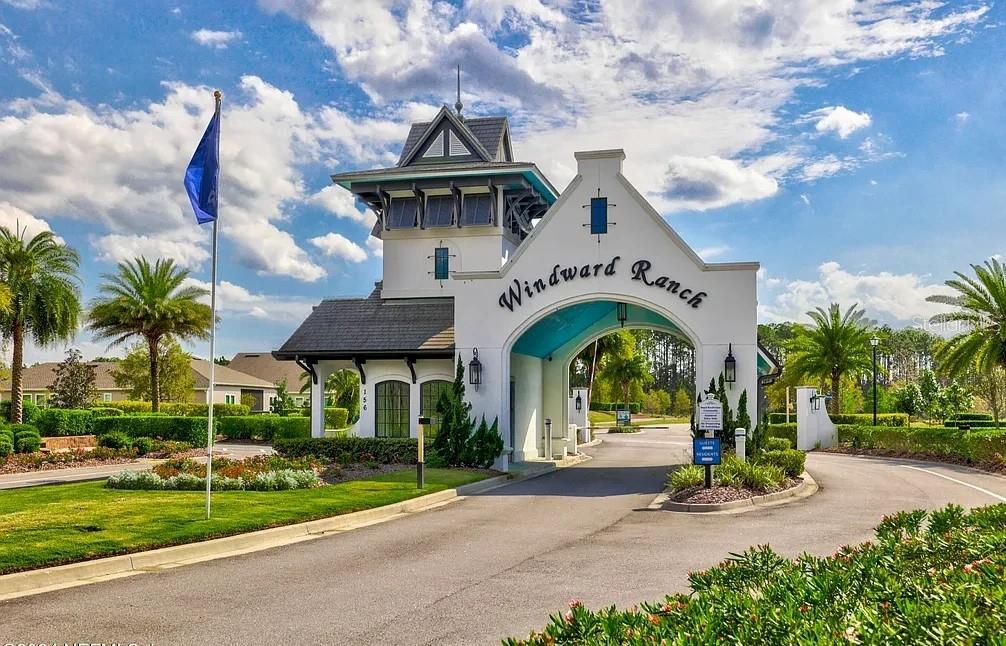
[(484, 259)]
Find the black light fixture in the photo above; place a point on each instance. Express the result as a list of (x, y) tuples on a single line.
[(579, 402), (623, 313), (730, 366), (475, 369), (815, 401)]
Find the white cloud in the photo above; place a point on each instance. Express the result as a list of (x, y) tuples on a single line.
[(334, 244), (962, 117), (238, 300), (707, 253), (343, 204), (840, 120), (886, 296), (215, 39), (121, 170), (23, 4), (709, 182), (14, 219), (824, 167), (184, 250), (376, 246)]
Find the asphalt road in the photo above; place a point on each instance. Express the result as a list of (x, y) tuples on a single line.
[(489, 566)]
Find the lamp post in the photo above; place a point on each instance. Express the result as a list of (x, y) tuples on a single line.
[(579, 402), (874, 341), (730, 366)]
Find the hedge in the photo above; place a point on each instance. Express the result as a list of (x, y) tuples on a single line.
[(611, 407), (977, 447), (928, 577), (264, 427), (787, 431), (178, 409), (353, 449), (191, 430), (973, 423), (29, 410), (883, 419), (57, 422), (971, 417), (336, 418)]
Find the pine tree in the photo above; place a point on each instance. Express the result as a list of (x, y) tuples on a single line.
[(485, 445), (743, 419), (455, 421)]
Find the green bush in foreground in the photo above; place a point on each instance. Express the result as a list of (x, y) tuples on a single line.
[(777, 444), (935, 582), (347, 450), (790, 461), (686, 477), (264, 427), (281, 480), (191, 430), (982, 446)]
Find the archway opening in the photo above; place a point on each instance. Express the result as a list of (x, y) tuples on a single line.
[(548, 358)]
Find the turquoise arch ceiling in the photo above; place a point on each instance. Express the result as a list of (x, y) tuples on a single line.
[(572, 322)]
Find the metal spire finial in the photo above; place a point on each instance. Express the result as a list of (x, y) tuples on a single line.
[(458, 105)]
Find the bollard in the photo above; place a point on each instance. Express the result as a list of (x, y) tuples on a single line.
[(421, 451), (740, 442)]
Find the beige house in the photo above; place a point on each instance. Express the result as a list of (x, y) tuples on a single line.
[(231, 384), (267, 368)]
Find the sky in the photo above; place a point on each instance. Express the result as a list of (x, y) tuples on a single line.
[(855, 149)]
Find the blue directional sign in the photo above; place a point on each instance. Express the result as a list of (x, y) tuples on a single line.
[(706, 450)]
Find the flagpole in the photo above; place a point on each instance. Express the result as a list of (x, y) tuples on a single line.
[(213, 335)]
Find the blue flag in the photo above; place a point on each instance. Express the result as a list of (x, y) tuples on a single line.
[(203, 173)]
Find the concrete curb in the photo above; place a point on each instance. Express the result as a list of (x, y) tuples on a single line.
[(32, 582), (806, 488)]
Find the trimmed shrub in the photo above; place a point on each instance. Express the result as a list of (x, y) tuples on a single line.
[(790, 461), (6, 447), (128, 407), (883, 419), (58, 422), (686, 477), (983, 446), (346, 450), (29, 410), (143, 445), (26, 438), (785, 431), (971, 417), (336, 418), (106, 412), (972, 423), (191, 430), (177, 409), (114, 440), (264, 427), (778, 444)]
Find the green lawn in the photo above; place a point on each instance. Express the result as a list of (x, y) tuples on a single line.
[(600, 418), (51, 525)]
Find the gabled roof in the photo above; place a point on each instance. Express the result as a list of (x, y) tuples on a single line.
[(482, 134), (41, 375), (266, 367), (224, 376), (374, 327)]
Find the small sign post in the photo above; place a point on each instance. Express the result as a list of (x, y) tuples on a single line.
[(623, 417), (706, 451), (421, 453)]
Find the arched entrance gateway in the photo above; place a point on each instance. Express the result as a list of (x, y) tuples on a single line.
[(481, 255)]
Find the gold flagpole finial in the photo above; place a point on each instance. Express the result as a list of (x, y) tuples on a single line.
[(217, 95)]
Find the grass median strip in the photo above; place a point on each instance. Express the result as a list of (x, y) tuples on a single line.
[(54, 525)]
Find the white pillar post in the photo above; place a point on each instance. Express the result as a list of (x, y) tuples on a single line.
[(740, 442), (318, 401)]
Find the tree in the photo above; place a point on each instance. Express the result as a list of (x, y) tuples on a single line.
[(342, 389), (74, 383), (40, 275), (624, 370), (835, 345), (151, 302), (455, 421), (594, 355), (222, 361), (282, 403), (174, 372), (980, 304), (682, 405)]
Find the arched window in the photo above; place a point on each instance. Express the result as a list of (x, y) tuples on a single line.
[(391, 418), (429, 395)]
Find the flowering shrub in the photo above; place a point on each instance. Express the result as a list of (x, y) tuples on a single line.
[(268, 481), (224, 467), (930, 578)]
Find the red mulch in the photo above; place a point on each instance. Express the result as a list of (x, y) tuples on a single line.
[(702, 496), (25, 463)]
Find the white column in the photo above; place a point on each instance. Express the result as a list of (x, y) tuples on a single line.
[(318, 401)]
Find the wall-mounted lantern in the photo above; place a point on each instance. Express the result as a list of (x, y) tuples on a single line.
[(815, 402), (730, 366), (579, 402), (475, 369), (623, 313)]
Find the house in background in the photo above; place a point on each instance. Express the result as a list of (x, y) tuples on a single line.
[(231, 384), (267, 368)]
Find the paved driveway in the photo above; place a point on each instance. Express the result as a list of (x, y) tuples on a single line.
[(491, 565)]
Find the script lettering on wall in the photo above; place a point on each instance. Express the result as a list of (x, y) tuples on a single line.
[(641, 270)]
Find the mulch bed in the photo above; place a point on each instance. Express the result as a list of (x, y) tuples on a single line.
[(25, 463), (702, 496), (992, 467)]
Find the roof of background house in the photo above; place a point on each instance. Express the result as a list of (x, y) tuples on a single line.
[(486, 130), (224, 376), (41, 375), (265, 366), (374, 327)]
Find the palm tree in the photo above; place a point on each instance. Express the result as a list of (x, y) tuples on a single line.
[(40, 280), (835, 345), (150, 302), (626, 369), (981, 307)]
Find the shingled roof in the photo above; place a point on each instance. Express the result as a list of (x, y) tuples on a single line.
[(374, 327), (486, 130)]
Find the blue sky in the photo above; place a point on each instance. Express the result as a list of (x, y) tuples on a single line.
[(852, 148)]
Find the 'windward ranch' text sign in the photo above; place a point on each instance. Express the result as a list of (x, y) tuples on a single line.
[(641, 270)]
